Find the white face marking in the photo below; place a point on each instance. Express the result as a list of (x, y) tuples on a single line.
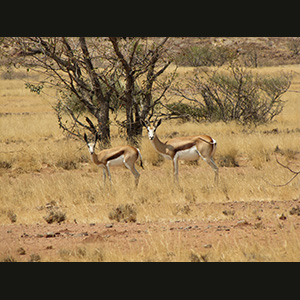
[(91, 147), (151, 133)]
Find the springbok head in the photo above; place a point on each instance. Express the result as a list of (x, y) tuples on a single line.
[(91, 146), (151, 129)]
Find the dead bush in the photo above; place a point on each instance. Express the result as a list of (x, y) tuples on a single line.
[(12, 216), (123, 213), (5, 165), (228, 161), (55, 215), (67, 164), (8, 258), (231, 94)]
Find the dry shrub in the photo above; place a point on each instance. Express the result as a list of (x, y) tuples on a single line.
[(234, 94), (198, 258), (123, 213), (67, 164), (291, 154), (5, 165), (8, 258), (181, 210), (82, 253), (12, 216), (35, 257), (55, 215), (228, 159)]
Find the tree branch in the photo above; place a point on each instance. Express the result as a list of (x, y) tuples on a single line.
[(296, 173)]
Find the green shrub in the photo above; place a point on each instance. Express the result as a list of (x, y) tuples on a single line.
[(205, 55), (186, 111), (232, 94)]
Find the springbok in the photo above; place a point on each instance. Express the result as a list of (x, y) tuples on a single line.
[(184, 148), (117, 156)]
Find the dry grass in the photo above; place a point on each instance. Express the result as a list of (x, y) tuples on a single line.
[(39, 165)]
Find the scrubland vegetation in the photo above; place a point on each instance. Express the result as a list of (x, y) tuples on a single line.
[(43, 172)]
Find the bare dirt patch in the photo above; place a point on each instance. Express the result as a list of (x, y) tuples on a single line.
[(272, 226)]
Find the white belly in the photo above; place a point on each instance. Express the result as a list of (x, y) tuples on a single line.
[(119, 161), (189, 154)]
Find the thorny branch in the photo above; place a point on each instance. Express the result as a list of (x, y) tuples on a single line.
[(296, 173)]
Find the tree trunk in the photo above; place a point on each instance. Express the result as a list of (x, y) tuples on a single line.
[(103, 122), (102, 112), (132, 124)]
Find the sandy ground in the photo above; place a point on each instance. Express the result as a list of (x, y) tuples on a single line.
[(138, 241)]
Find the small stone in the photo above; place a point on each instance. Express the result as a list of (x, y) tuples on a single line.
[(50, 234), (282, 217), (133, 240), (109, 225), (187, 228), (81, 234), (21, 251), (228, 212), (241, 223)]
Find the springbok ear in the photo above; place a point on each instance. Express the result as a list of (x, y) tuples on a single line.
[(85, 138)]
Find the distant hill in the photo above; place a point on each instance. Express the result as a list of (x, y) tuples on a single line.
[(257, 51)]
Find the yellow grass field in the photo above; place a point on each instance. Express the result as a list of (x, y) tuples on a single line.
[(40, 168)]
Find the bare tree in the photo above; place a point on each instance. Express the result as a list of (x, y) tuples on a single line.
[(140, 65), (95, 76), (66, 65)]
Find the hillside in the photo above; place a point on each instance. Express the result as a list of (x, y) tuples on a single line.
[(268, 51)]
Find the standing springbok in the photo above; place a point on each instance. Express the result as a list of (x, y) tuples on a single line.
[(117, 156), (184, 148)]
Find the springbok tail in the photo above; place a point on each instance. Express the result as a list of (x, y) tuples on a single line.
[(214, 147), (211, 143), (140, 156)]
